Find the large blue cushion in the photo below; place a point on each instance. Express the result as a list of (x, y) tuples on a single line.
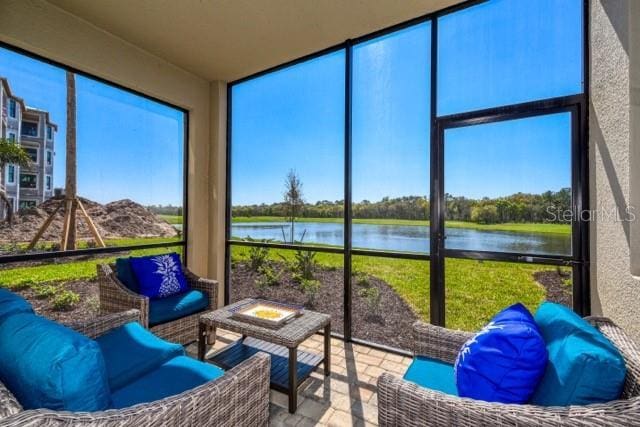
[(504, 361), (131, 351), (46, 365), (11, 303), (176, 306), (159, 276), (433, 374), (584, 366), (174, 377), (125, 274)]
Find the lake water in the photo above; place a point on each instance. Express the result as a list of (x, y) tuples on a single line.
[(407, 238)]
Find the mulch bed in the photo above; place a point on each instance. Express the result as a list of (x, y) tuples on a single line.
[(86, 309), (389, 325), (557, 290)]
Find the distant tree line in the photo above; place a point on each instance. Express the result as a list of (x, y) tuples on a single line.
[(165, 209), (519, 207)]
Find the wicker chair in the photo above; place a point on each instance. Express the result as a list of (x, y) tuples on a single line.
[(116, 297), (402, 403), (239, 398)]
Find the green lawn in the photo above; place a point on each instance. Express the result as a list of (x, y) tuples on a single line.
[(63, 270), (516, 227), (475, 290), (172, 219)]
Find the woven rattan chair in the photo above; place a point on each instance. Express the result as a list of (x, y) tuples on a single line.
[(402, 403), (239, 398), (116, 297)]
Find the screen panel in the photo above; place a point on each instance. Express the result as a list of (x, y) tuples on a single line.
[(505, 52), (391, 136), (287, 167)]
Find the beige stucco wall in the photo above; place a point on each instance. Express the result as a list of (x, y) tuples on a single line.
[(39, 27), (615, 161)]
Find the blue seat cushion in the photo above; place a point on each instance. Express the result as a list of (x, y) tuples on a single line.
[(584, 366), (505, 361), (47, 365), (11, 303), (124, 273), (159, 276), (176, 306), (131, 351), (433, 374), (173, 377)]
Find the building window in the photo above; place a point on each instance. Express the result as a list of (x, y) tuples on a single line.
[(11, 174), (47, 184), (28, 180), (49, 132), (30, 129), (12, 108), (12, 137), (27, 204), (33, 154), (49, 158)]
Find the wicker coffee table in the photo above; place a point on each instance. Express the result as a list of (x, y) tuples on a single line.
[(289, 367)]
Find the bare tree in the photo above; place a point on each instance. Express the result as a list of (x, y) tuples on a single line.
[(11, 153), (293, 199)]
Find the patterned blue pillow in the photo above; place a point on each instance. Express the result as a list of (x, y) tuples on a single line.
[(159, 276), (505, 361)]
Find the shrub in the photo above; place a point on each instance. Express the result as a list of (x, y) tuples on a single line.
[(304, 264), (257, 257), (372, 297), (268, 277), (44, 291), (310, 287), (361, 279), (65, 300)]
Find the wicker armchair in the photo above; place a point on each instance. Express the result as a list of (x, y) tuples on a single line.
[(116, 297), (402, 403), (239, 398)]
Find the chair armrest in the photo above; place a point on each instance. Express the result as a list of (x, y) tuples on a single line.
[(239, 398), (402, 403), (205, 285), (438, 342), (93, 328), (116, 297)]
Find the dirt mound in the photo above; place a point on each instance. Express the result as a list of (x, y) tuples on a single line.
[(119, 219)]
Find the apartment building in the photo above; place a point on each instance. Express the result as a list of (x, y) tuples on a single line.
[(35, 132)]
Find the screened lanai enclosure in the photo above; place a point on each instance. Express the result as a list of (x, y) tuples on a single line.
[(435, 170)]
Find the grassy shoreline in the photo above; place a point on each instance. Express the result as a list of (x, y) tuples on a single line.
[(538, 228)]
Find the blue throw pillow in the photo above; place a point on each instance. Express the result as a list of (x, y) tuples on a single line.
[(11, 303), (505, 361), (47, 365), (125, 274), (159, 276), (584, 366)]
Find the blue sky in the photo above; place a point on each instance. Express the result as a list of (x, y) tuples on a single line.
[(128, 146), (497, 53)]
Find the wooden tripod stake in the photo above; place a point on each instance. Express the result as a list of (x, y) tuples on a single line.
[(71, 201)]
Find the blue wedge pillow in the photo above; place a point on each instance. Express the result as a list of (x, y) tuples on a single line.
[(125, 274), (584, 366), (47, 365), (11, 303), (505, 361), (159, 276)]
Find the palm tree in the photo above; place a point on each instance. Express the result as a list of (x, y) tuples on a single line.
[(11, 153), (71, 201), (70, 193)]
